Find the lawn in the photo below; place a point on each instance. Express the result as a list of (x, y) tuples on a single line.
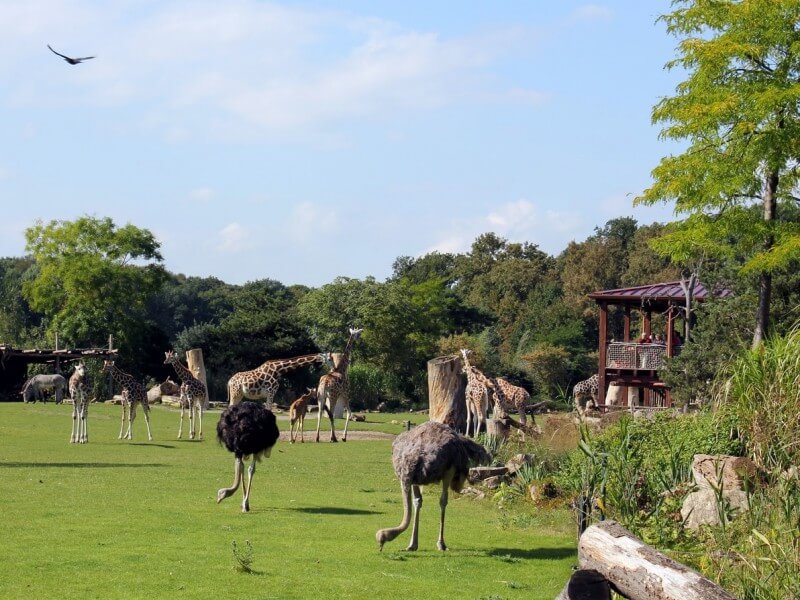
[(114, 519)]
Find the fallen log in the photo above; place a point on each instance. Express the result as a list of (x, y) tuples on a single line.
[(638, 571)]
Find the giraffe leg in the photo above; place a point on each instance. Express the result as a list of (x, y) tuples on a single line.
[(180, 427), (250, 472), (131, 419), (442, 506), (200, 418), (302, 434), (75, 425), (190, 403), (469, 419), (85, 420), (347, 415), (122, 424), (146, 411), (414, 543), (320, 406)]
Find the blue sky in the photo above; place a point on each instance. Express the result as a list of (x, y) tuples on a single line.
[(304, 140)]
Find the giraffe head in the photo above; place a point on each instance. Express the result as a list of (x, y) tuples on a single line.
[(170, 357), (355, 333), (465, 354), (80, 369), (107, 365), (327, 359)]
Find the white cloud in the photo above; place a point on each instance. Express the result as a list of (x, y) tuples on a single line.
[(234, 238), (308, 220), (201, 194), (592, 12), (518, 221), (248, 64)]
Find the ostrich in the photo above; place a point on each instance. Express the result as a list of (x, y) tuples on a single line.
[(429, 453), (246, 429)]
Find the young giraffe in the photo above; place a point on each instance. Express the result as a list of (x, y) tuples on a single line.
[(193, 395), (588, 387), (333, 388), (80, 405), (262, 383), (133, 393), (477, 394), (512, 397), (297, 414)]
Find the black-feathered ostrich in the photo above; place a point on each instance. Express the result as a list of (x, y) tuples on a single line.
[(246, 429), (427, 454)]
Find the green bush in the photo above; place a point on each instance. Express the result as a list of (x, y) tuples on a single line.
[(371, 385)]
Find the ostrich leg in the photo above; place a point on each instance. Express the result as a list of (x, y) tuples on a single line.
[(246, 500), (414, 543), (388, 534), (442, 506), (223, 493)]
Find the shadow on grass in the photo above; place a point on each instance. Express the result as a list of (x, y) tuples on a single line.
[(333, 510), (86, 465), (533, 553), (151, 445)]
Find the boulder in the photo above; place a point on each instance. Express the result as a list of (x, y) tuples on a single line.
[(482, 473), (493, 483), (518, 461), (720, 487)]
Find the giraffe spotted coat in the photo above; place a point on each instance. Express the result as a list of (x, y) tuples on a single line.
[(585, 394)]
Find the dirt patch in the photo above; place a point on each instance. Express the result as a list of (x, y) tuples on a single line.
[(355, 436)]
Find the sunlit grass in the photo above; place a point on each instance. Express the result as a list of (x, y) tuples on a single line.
[(114, 519)]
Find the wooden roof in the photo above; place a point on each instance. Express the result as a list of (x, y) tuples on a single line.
[(656, 293), (44, 355)]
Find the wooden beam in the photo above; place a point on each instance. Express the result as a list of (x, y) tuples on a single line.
[(601, 360)]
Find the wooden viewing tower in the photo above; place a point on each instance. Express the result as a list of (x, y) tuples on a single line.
[(629, 364)]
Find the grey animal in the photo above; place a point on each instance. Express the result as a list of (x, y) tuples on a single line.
[(72, 61), (430, 453), (36, 386)]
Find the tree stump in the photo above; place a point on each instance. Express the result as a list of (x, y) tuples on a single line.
[(446, 399), (194, 360), (638, 571), (498, 428)]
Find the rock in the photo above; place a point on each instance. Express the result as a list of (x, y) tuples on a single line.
[(359, 418), (473, 492), (706, 470), (518, 461), (482, 473), (494, 482), (542, 490), (715, 475), (702, 508)]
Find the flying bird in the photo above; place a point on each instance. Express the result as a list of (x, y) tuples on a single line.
[(72, 61)]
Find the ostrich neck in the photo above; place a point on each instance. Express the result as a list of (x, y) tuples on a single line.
[(388, 534)]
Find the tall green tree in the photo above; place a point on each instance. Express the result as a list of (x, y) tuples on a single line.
[(93, 279), (738, 111)]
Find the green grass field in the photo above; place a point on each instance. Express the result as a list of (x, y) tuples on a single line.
[(121, 519)]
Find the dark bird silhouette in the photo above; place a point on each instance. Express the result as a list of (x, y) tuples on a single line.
[(430, 453), (72, 61), (246, 429)]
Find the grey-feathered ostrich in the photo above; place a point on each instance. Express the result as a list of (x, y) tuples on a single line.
[(429, 453), (246, 429)]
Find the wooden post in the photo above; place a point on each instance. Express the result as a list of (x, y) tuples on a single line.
[(194, 360), (601, 361), (446, 398), (110, 378), (638, 571)]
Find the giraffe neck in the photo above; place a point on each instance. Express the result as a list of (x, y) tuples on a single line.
[(184, 373), (345, 360), (121, 377), (289, 364)]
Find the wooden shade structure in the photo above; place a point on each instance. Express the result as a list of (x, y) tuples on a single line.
[(628, 364)]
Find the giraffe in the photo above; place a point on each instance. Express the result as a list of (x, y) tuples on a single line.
[(262, 382), (477, 394), (193, 395), (133, 393), (297, 414), (512, 397), (588, 387), (333, 388), (78, 384)]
